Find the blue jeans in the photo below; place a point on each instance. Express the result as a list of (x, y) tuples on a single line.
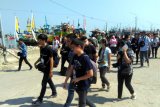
[(70, 94), (83, 96), (144, 54)]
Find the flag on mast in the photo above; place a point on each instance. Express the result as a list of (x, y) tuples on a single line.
[(29, 29), (33, 27), (17, 29)]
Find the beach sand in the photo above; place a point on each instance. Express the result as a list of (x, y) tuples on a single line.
[(19, 89)]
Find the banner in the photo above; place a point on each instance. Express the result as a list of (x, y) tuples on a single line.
[(33, 28), (17, 29)]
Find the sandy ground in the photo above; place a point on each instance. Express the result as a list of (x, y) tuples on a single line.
[(18, 89)]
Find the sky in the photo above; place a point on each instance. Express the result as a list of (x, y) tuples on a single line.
[(116, 13)]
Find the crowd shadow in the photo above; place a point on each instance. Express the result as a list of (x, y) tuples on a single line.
[(44, 104), (102, 100), (14, 70), (18, 101), (137, 67), (26, 102), (96, 90), (10, 71)]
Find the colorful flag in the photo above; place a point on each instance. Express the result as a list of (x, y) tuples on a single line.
[(33, 26), (17, 29), (29, 29)]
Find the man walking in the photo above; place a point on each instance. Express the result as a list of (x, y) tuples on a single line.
[(46, 58), (23, 54), (81, 69), (155, 45), (144, 43)]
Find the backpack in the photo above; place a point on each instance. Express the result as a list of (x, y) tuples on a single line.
[(56, 59), (93, 80), (142, 42), (95, 70)]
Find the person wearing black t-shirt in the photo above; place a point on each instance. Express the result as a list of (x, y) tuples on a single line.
[(135, 47), (89, 49), (70, 38), (81, 68), (46, 58), (64, 54)]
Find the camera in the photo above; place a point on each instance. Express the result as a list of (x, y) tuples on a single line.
[(115, 65)]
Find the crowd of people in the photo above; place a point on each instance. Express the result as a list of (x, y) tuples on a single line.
[(85, 54)]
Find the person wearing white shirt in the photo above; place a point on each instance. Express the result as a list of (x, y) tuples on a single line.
[(155, 45), (55, 44), (144, 43)]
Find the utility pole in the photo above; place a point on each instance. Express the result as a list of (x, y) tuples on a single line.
[(1, 33), (136, 23), (106, 27)]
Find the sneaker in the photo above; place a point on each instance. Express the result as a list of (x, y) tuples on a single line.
[(108, 88), (31, 68), (119, 99), (141, 66), (37, 102), (133, 96), (53, 95)]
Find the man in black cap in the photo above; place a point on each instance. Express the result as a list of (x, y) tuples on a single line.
[(23, 54)]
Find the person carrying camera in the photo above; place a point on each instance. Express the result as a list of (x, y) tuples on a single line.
[(125, 70), (22, 54), (82, 71), (104, 63), (46, 66)]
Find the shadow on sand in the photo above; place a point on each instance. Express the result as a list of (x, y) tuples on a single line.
[(14, 70), (26, 102), (102, 100)]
